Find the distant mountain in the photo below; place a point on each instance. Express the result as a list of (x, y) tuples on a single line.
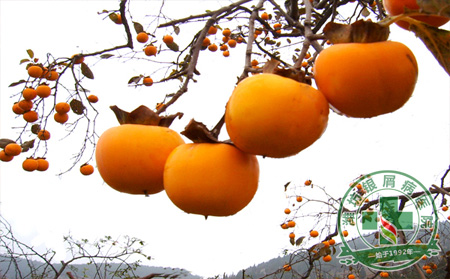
[(333, 269), (86, 271)]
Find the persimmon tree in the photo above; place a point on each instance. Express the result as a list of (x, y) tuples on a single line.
[(279, 39)]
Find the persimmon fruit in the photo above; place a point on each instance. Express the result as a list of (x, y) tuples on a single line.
[(314, 233), (87, 169), (43, 135), (210, 179), (142, 37), (396, 7), (364, 87), (226, 32), (287, 267), (43, 164), (168, 39), (35, 71), (92, 99), (150, 50), (30, 164), (43, 90), (17, 109), (30, 116), (25, 105), (5, 157), (61, 117), (62, 107), (212, 30), (29, 93), (327, 258), (131, 157), (13, 149), (212, 47), (147, 81), (275, 116)]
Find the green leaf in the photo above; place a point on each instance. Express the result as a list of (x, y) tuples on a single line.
[(86, 71), (17, 83), (30, 53), (138, 27)]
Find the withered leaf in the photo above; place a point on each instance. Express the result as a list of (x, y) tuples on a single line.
[(27, 145), (286, 185), (198, 133), (299, 240), (176, 29), (436, 40), (86, 71), (77, 106), (435, 7), (358, 32), (173, 46), (292, 241), (30, 53), (138, 27), (5, 142), (106, 56), (135, 79), (270, 66), (114, 17), (17, 83), (35, 128), (24, 61)]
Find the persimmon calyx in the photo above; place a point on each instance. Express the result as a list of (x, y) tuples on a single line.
[(358, 32), (273, 67), (199, 133), (144, 116)]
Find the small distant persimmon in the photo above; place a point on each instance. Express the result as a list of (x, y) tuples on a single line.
[(287, 211), (30, 116), (29, 93), (13, 149), (299, 198), (92, 99), (30, 164), (292, 235), (62, 107), (223, 47), (43, 164), (17, 109), (86, 169), (78, 59), (25, 105), (206, 42), (142, 37), (327, 258), (212, 30), (5, 157), (61, 117), (226, 53), (226, 32), (35, 71), (213, 47), (264, 16), (150, 50), (168, 39), (52, 75), (232, 43), (43, 135), (291, 224), (314, 233), (147, 81), (43, 90)]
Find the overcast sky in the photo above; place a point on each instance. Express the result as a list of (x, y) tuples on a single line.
[(42, 207)]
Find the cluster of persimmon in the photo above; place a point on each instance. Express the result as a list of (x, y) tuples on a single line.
[(229, 40), (37, 90)]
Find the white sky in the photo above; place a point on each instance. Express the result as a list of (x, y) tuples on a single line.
[(43, 207)]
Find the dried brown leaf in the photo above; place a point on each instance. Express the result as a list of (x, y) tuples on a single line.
[(86, 71), (77, 106), (435, 7), (27, 145), (138, 27), (5, 142), (436, 40), (141, 115)]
